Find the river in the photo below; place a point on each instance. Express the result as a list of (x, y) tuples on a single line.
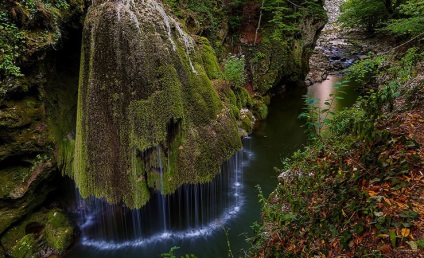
[(200, 219)]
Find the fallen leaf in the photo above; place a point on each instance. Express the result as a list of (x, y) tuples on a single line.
[(413, 245), (385, 249), (405, 232), (372, 193), (387, 201)]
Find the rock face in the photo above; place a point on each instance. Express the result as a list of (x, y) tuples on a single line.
[(41, 234), (276, 61), (26, 166), (148, 117)]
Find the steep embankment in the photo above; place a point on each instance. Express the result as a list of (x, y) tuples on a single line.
[(357, 188)]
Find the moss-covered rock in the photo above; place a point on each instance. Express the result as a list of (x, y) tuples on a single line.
[(283, 45), (148, 117), (42, 230), (247, 121), (58, 231), (210, 61), (27, 165), (22, 189), (26, 247), (260, 108)]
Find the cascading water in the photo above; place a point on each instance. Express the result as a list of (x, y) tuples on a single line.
[(192, 211), (132, 10), (196, 213)]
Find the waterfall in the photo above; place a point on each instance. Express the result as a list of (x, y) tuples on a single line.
[(192, 211), (162, 198), (188, 41), (151, 6)]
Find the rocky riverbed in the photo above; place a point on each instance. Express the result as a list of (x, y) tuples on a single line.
[(338, 47)]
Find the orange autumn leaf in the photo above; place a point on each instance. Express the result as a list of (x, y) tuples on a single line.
[(387, 201), (372, 193), (405, 232)]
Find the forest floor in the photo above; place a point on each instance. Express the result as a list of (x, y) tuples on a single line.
[(357, 191)]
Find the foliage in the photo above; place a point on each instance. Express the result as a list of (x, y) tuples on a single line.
[(341, 193), (413, 20), (364, 71), (284, 18), (207, 14), (285, 15), (357, 13), (230, 252), (170, 253), (399, 17), (316, 118), (234, 71), (11, 43), (17, 19)]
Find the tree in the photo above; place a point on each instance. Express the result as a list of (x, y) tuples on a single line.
[(412, 20), (371, 14), (396, 16)]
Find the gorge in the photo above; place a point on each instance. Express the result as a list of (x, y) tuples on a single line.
[(153, 112)]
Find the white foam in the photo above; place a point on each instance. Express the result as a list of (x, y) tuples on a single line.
[(168, 235)]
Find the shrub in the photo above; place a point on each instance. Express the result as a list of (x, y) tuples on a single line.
[(234, 71)]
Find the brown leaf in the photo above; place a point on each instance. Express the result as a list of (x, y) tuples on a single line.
[(385, 249)]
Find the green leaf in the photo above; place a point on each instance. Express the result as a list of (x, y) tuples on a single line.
[(339, 97), (409, 214), (392, 236)]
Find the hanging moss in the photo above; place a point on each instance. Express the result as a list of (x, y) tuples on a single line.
[(209, 60), (244, 100), (148, 118)]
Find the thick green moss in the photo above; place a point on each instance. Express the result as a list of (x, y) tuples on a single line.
[(58, 231), (143, 118), (51, 229), (209, 60), (247, 121), (260, 109), (244, 100), (25, 247)]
